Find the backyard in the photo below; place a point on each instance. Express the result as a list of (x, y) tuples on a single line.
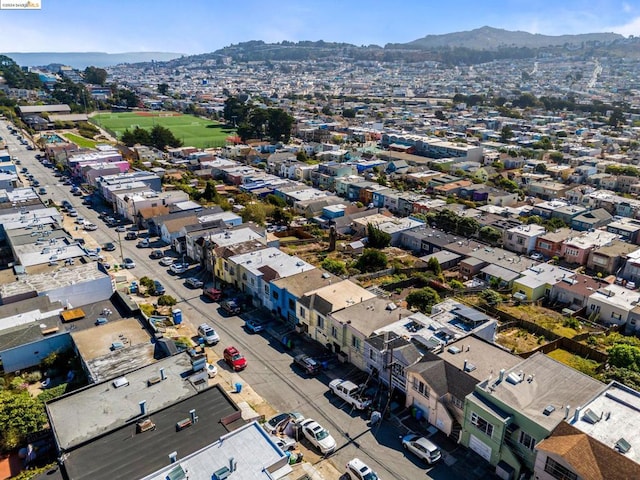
[(80, 141), (191, 130), (518, 340)]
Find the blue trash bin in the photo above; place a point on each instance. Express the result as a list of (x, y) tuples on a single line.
[(238, 387)]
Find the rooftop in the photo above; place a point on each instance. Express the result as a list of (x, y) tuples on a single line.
[(612, 415), (301, 283), (539, 382), (335, 297), (282, 264), (370, 315), (264, 460), (123, 453), (101, 408)]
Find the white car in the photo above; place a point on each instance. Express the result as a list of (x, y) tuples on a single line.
[(166, 261), (422, 448), (318, 436), (358, 470), (212, 370), (209, 335), (178, 268), (285, 443), (90, 227)]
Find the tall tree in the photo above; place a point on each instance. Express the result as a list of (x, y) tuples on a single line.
[(95, 76), (163, 88)]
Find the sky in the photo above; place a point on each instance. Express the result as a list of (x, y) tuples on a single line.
[(201, 26)]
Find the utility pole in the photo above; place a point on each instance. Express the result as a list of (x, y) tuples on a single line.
[(389, 366)]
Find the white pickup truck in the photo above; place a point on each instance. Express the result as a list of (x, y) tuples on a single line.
[(350, 393)]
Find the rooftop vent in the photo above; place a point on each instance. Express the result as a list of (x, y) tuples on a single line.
[(591, 417), (622, 445), (548, 410), (453, 350), (514, 378)]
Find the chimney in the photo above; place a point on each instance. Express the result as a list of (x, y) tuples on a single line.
[(233, 465), (566, 411), (464, 367), (173, 457), (143, 407), (501, 376), (576, 416), (192, 412), (163, 376)]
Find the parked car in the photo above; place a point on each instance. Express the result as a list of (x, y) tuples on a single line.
[(193, 282), (155, 254), (422, 448), (178, 268), (166, 261), (144, 243), (318, 436), (307, 363), (536, 256), (358, 470), (212, 370), (253, 326), (212, 293), (42, 191), (209, 335), (230, 307), (121, 228), (109, 247), (129, 263), (234, 359), (79, 220), (131, 236), (158, 287), (277, 423), (90, 227), (285, 443), (72, 212)]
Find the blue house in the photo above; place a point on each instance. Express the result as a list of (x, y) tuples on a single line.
[(285, 292)]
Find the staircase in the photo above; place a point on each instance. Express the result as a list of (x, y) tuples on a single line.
[(456, 428)]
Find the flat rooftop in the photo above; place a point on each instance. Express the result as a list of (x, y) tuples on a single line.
[(543, 382), (102, 408), (123, 453), (264, 460), (612, 415)]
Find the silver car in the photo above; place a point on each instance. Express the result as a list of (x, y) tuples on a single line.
[(422, 448)]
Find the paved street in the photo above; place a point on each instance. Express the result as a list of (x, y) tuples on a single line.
[(269, 372)]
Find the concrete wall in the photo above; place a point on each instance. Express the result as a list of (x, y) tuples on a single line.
[(82, 293)]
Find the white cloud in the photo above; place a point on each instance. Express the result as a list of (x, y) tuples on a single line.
[(627, 8), (632, 27)]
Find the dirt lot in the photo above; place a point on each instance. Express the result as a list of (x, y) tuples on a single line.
[(518, 340)]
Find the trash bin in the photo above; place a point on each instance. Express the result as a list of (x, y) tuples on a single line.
[(238, 387), (418, 414)]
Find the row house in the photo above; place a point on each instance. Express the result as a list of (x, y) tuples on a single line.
[(440, 382), (628, 229), (573, 293), (511, 412), (536, 282), (547, 190), (522, 239), (615, 305), (255, 270), (609, 259), (575, 250), (591, 220), (325, 175), (549, 244), (315, 306), (128, 205)]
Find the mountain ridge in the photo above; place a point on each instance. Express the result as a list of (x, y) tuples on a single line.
[(81, 60)]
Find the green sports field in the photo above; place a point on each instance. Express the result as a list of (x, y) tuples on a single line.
[(193, 131)]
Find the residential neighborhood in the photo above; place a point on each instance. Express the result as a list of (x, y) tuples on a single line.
[(467, 268)]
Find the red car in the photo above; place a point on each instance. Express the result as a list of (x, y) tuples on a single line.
[(234, 359)]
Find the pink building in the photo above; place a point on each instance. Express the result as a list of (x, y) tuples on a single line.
[(576, 249)]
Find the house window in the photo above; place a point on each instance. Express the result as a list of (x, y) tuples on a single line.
[(303, 313), (558, 471), (572, 251), (420, 387), (527, 440), (510, 236), (355, 343), (321, 322), (292, 304), (334, 332), (457, 402), (481, 424), (616, 316), (266, 289), (274, 294)]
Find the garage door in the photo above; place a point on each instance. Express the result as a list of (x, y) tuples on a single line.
[(480, 447)]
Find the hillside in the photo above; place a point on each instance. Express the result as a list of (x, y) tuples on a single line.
[(489, 38)]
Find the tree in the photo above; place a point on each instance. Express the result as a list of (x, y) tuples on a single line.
[(434, 265), (20, 415), (349, 113), (467, 226), (334, 266), (376, 238), (554, 224), (162, 137), (281, 216), (506, 133), (275, 200), (616, 118), (279, 125), (625, 356), (166, 301), (254, 212), (326, 110), (210, 193), (490, 297), (490, 234), (423, 299), (95, 76), (163, 88), (440, 115), (371, 260)]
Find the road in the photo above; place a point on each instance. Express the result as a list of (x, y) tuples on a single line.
[(269, 370)]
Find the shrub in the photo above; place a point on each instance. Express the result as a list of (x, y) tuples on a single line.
[(371, 260), (52, 393), (423, 299), (33, 377), (456, 284), (147, 309), (166, 301), (334, 266), (571, 322)]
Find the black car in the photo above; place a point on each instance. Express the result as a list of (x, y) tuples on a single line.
[(109, 247), (156, 254), (230, 307), (158, 287), (131, 236)]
